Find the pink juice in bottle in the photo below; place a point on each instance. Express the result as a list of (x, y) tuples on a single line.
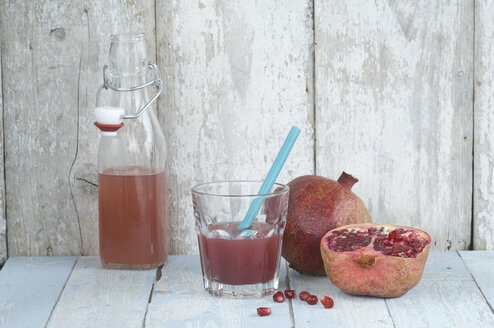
[(133, 218), (229, 258)]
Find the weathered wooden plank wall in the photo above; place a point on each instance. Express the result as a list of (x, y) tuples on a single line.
[(3, 221), (391, 103), (394, 107), (52, 55), (237, 76), (483, 203)]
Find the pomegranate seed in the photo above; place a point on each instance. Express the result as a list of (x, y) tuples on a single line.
[(312, 299), (398, 242), (303, 295), (327, 302), (263, 311), (278, 297), (393, 234), (290, 293)]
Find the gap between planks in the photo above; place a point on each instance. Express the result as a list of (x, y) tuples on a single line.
[(157, 277), (290, 300), (483, 295), (476, 283), (389, 312), (61, 291)]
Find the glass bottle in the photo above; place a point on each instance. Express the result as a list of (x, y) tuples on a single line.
[(132, 175)]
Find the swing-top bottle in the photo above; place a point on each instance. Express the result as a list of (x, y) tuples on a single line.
[(132, 176)]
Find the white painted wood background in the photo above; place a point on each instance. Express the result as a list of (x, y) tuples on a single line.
[(3, 222), (398, 93), (394, 107), (483, 200)]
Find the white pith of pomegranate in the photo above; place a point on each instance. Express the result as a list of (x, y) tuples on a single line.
[(375, 259)]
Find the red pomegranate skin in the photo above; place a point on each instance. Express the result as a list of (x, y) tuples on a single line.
[(369, 272), (316, 205)]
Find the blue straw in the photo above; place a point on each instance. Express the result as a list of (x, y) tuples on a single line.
[(273, 174)]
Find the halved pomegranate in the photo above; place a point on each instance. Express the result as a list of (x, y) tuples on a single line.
[(375, 259)]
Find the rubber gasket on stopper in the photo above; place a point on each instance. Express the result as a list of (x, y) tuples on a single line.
[(108, 127), (109, 119)]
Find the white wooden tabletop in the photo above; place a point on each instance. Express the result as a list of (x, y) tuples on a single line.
[(455, 291)]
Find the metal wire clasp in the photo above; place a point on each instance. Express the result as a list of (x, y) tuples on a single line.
[(157, 82)]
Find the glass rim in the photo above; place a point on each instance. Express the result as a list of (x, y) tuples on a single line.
[(285, 189)]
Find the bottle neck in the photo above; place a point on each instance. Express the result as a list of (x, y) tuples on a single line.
[(122, 80), (128, 66), (131, 101)]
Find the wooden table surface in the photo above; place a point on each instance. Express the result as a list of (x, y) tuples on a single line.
[(456, 290)]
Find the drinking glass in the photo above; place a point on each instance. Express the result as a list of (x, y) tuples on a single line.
[(239, 263)]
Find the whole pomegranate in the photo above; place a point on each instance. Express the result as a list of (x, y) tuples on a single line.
[(316, 205), (375, 259)]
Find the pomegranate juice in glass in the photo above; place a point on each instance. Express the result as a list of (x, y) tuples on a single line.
[(239, 263)]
